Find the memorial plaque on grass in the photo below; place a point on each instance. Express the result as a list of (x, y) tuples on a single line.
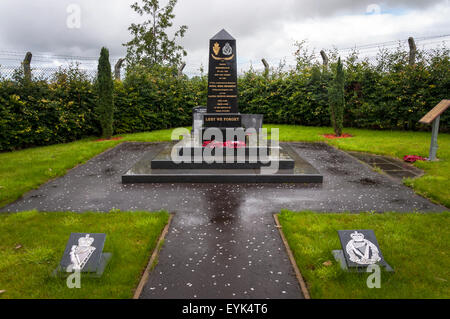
[(360, 249), (84, 253)]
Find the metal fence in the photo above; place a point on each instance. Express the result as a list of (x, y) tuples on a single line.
[(368, 52), (45, 65), (41, 73)]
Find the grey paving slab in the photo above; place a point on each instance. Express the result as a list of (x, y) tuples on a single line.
[(223, 242), (395, 168)]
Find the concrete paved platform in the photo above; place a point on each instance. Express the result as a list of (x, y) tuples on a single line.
[(395, 168), (159, 168), (223, 242)]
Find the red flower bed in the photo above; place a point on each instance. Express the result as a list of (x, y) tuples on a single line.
[(111, 139), (333, 136), (413, 158)]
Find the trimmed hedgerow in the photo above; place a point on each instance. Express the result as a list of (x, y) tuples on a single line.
[(390, 94), (46, 112)]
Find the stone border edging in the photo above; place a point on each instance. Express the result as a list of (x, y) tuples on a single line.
[(299, 276), (155, 253)]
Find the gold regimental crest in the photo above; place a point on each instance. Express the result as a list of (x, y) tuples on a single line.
[(216, 48)]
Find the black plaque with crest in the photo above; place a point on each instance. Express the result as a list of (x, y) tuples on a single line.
[(222, 106)]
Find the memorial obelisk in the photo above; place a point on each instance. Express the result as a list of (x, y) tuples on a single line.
[(222, 106)]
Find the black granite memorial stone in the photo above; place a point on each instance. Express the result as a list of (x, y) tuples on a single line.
[(360, 249), (84, 253), (225, 146), (222, 105)]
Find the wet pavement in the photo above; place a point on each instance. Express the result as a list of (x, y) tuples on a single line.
[(393, 167), (223, 242)]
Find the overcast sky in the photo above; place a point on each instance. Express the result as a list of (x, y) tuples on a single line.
[(262, 28)]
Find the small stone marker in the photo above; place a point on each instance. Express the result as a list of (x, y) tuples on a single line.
[(197, 118), (84, 252), (433, 117), (360, 249)]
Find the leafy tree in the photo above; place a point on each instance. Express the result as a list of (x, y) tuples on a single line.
[(105, 101), (151, 45), (336, 99)]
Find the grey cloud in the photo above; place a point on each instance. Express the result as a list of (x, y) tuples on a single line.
[(40, 25), (250, 18)]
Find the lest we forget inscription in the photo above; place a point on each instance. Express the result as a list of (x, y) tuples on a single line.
[(222, 103)]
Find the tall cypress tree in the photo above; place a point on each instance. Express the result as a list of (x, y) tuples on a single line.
[(337, 100), (105, 86)]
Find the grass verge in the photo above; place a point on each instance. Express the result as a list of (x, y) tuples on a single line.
[(24, 170), (32, 244), (435, 184), (416, 245)]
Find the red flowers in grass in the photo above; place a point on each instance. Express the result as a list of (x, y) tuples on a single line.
[(413, 158), (333, 136)]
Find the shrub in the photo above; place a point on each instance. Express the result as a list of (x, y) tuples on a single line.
[(105, 102), (336, 99)]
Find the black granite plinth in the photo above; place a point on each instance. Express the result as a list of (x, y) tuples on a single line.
[(224, 133), (247, 120), (252, 121), (244, 151), (302, 172), (244, 158)]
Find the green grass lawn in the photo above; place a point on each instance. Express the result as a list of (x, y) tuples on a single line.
[(416, 245), (435, 184), (21, 171), (32, 244)]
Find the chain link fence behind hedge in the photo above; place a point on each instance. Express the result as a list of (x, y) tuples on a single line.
[(43, 64), (40, 73)]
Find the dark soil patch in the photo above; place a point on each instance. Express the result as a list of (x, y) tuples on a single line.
[(399, 201), (312, 146), (367, 181), (337, 159), (337, 171), (110, 139), (109, 171), (134, 146), (333, 136), (109, 155)]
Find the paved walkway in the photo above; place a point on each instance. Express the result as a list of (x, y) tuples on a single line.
[(223, 242), (395, 168)]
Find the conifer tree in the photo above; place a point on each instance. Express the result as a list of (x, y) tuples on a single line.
[(337, 100), (105, 86)]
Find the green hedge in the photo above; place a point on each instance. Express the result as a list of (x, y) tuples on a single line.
[(41, 113), (388, 95), (154, 100)]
